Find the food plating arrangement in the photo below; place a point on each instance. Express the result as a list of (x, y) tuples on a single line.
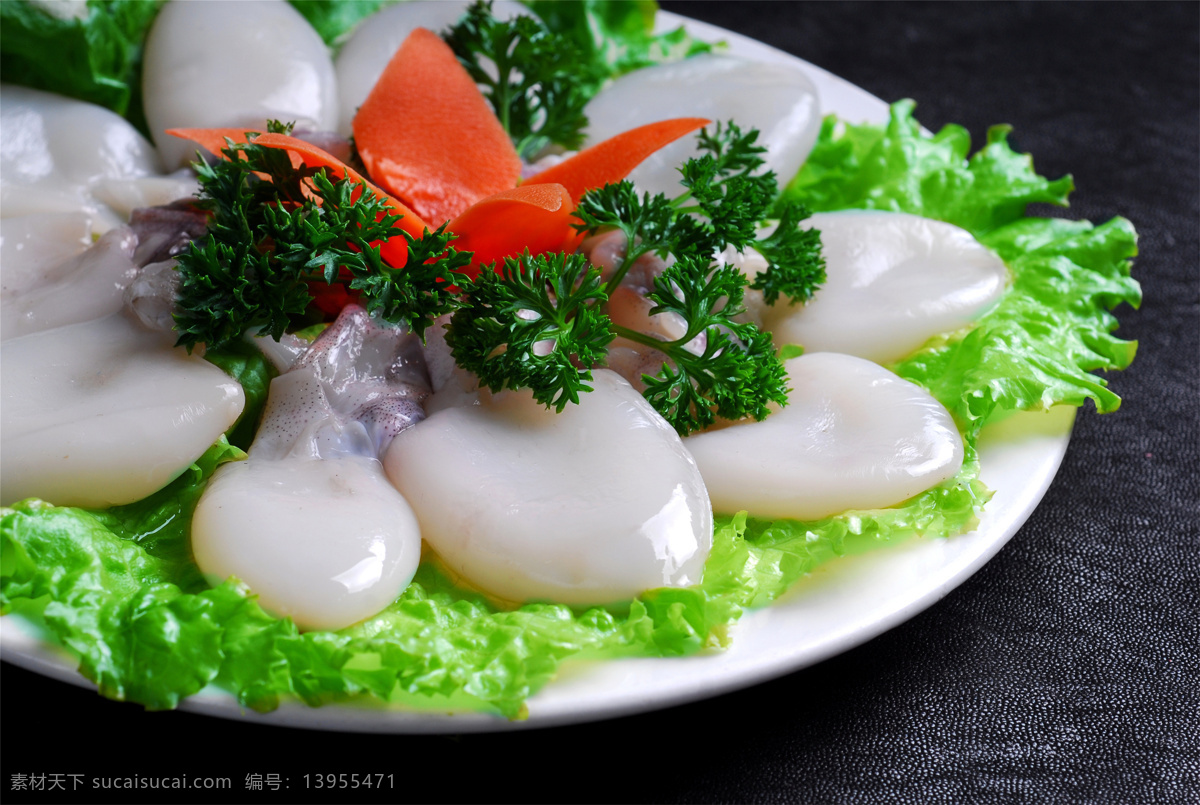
[(391, 355)]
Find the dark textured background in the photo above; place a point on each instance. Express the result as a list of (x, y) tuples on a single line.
[(1067, 670)]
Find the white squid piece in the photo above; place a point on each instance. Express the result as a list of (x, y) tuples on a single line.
[(32, 244), (104, 413), (88, 286), (453, 386), (363, 58), (778, 100), (853, 436), (324, 542), (894, 281), (59, 155), (593, 505), (234, 64), (123, 196), (309, 521)]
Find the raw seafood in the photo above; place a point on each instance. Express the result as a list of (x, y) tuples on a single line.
[(593, 505), (853, 436), (88, 286), (894, 281), (204, 67), (104, 413), (309, 522), (61, 155), (778, 100), (31, 245)]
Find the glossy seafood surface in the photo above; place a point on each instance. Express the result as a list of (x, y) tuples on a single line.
[(592, 505)]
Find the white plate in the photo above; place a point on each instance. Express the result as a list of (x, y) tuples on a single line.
[(841, 605)]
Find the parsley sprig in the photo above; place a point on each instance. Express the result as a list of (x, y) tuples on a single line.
[(795, 267), (736, 374), (725, 200), (539, 323), (277, 229), (535, 323), (536, 80)]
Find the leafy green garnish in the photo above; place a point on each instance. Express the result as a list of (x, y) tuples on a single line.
[(795, 267), (94, 57), (538, 323), (650, 223), (896, 167), (535, 323), (617, 36), (536, 80), (735, 373), (270, 239), (725, 200)]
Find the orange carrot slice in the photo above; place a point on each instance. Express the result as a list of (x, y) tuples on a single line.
[(533, 217), (212, 140), (612, 160), (315, 157), (394, 250), (429, 137)]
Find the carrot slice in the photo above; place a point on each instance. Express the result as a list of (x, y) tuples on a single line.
[(393, 250), (429, 137), (613, 159), (533, 217), (315, 157), (212, 140)]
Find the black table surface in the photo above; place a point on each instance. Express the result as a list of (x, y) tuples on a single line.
[(1066, 670)]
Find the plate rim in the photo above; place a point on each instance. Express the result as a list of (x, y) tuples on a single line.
[(1043, 443)]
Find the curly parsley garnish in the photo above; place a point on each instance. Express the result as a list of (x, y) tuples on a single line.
[(277, 230), (725, 201), (718, 367), (537, 81), (535, 323)]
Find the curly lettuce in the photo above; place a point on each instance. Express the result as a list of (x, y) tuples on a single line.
[(617, 36), (1038, 346), (118, 589)]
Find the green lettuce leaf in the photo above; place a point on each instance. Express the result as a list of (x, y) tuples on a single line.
[(246, 364), (899, 168), (617, 35), (118, 589), (95, 57)]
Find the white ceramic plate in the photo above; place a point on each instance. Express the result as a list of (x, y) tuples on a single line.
[(841, 605)]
